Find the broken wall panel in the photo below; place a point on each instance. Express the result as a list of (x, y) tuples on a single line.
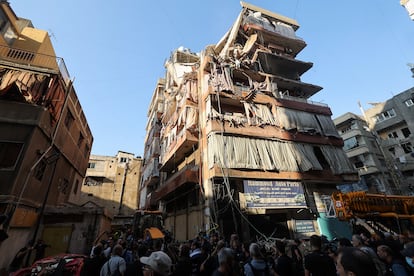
[(260, 154)]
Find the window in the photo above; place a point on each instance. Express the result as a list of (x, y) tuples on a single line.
[(91, 165), (91, 181), (80, 139), (40, 170), (9, 154), (3, 20), (87, 149), (409, 102), (392, 150), (350, 143), (385, 115), (321, 158), (63, 186), (407, 147), (406, 132), (69, 119), (75, 189), (123, 160), (393, 134), (359, 164)]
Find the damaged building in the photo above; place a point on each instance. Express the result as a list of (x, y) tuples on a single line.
[(45, 142), (235, 145)]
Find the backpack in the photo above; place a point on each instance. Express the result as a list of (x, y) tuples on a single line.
[(259, 272)]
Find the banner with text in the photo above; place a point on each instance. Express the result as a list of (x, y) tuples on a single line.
[(273, 194)]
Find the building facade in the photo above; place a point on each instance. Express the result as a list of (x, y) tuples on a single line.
[(363, 149), (242, 148), (393, 123), (112, 182), (45, 140)]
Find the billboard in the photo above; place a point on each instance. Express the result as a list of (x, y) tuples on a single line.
[(273, 194)]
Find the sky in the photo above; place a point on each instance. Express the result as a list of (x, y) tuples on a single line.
[(115, 52)]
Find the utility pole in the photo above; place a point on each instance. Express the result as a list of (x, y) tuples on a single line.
[(121, 201)]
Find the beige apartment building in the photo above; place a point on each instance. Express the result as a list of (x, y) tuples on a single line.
[(112, 182), (45, 142), (242, 149)]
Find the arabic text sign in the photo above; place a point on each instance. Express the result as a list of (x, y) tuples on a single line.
[(273, 194)]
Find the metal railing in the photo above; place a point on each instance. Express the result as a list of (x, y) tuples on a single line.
[(33, 59)]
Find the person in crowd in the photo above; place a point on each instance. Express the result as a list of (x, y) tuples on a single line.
[(136, 268), (183, 265), (40, 249), (157, 264), (317, 262), (108, 247), (17, 261), (92, 266), (226, 263), (357, 242), (196, 257), (394, 266), (353, 261), (98, 241), (257, 266), (343, 242), (116, 265), (408, 253), (297, 258), (283, 263), (211, 263)]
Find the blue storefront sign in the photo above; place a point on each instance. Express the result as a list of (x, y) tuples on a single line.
[(304, 226), (273, 194)]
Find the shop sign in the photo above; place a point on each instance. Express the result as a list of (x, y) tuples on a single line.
[(273, 194)]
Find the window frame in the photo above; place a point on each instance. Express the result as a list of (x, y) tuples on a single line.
[(17, 155)]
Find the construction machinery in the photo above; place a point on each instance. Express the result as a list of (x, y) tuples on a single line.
[(148, 225), (391, 213)]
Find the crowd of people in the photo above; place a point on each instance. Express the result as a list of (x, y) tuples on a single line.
[(364, 254)]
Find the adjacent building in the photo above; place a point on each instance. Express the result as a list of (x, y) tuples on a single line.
[(45, 140), (363, 150), (242, 148), (392, 122), (409, 6), (112, 182)]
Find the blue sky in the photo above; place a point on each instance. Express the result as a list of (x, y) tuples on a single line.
[(115, 52)]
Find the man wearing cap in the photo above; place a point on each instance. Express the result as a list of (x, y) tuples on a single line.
[(158, 263)]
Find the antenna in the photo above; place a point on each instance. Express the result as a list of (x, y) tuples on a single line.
[(411, 65), (52, 34)]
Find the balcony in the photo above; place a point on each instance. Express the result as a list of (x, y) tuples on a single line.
[(176, 152), (359, 150), (35, 61), (178, 181), (280, 65)]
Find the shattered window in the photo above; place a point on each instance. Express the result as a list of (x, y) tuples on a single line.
[(407, 147), (406, 132), (350, 143), (385, 115), (9, 154), (40, 170), (393, 134), (69, 119)]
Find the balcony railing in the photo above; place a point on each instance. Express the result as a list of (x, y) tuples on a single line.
[(33, 59)]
